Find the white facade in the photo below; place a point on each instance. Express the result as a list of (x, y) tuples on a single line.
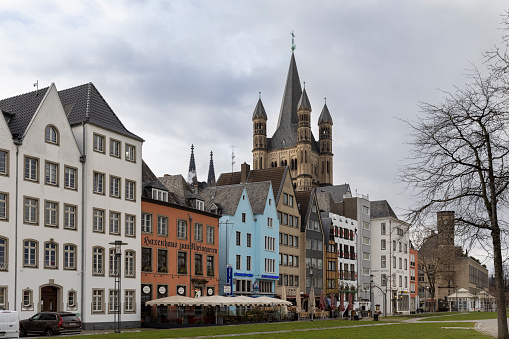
[(389, 265), (47, 233)]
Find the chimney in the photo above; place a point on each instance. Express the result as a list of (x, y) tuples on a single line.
[(244, 172)]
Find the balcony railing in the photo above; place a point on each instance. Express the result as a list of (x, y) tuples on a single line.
[(3, 266)]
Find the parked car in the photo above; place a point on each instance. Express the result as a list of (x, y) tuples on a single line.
[(9, 324), (50, 323)]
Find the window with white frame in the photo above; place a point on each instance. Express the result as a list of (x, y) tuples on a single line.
[(51, 174), (30, 250), (365, 240), (130, 301), (130, 190), (4, 207), (198, 232), (159, 195), (28, 295), (98, 183), (365, 210), (71, 299), (182, 229), (51, 213), (113, 302), (98, 143), (162, 225), (270, 243), (113, 262), (270, 265), (98, 220), (200, 205), (70, 217), (383, 259), (393, 262), (31, 210), (383, 244), (98, 261), (50, 255), (146, 223), (97, 301), (130, 259), (115, 148), (51, 135), (210, 234), (366, 256), (4, 162), (365, 271), (130, 225), (114, 222), (3, 254), (130, 152), (365, 225), (114, 186), (69, 257), (383, 229), (31, 169)]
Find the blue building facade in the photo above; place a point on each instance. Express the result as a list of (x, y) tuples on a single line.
[(248, 233)]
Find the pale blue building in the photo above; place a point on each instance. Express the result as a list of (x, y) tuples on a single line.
[(248, 236)]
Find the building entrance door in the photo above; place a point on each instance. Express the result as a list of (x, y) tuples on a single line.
[(49, 299)]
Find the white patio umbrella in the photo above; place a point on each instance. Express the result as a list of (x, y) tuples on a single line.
[(272, 301), (174, 300), (311, 301)]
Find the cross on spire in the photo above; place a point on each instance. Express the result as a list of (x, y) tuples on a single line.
[(293, 42)]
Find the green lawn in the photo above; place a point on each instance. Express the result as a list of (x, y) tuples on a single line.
[(463, 316), (322, 329)]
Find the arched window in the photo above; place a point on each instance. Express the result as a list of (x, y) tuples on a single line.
[(52, 135), (98, 261)]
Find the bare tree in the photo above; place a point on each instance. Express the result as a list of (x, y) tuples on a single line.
[(459, 161)]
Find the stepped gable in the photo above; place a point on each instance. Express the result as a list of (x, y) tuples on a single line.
[(382, 209), (84, 103), (20, 109)]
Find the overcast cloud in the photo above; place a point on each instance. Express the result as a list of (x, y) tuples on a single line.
[(188, 72)]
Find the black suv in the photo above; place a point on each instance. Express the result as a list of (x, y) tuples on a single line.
[(49, 323)]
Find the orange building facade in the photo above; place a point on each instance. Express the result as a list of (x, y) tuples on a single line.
[(180, 251)]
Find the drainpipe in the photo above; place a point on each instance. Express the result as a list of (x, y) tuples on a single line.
[(83, 158), (17, 142)]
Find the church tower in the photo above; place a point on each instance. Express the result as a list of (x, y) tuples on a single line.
[(325, 141), (211, 179), (259, 136), (304, 165), (191, 174)]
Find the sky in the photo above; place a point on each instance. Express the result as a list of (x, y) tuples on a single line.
[(189, 72)]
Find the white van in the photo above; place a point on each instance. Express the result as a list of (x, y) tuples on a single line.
[(9, 324)]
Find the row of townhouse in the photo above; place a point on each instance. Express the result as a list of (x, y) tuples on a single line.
[(70, 186)]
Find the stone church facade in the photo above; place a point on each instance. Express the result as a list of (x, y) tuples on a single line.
[(293, 143)]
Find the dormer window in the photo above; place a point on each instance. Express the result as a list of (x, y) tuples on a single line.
[(159, 195), (51, 135), (200, 205)]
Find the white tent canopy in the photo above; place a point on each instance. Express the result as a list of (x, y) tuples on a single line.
[(217, 300)]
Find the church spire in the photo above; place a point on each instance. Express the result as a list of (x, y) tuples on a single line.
[(291, 96), (211, 180), (191, 175)]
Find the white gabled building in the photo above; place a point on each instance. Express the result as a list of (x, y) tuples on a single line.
[(71, 186), (389, 260)]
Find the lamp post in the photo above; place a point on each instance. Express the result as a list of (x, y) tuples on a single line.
[(118, 281), (190, 255), (311, 302)]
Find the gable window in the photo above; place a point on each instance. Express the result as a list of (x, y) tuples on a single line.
[(98, 183), (130, 222), (130, 152), (115, 147), (31, 169), (4, 162), (98, 143), (51, 213), (30, 250), (210, 234), (200, 205), (69, 217), (198, 232), (130, 189), (182, 229), (114, 186), (3, 205), (243, 217), (70, 178), (31, 211), (98, 220), (146, 223), (50, 255), (69, 257), (159, 195), (51, 135)]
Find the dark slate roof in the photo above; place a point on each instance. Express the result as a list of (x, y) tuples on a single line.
[(146, 173), (275, 175), (381, 209), (259, 111), (178, 188), (22, 108), (304, 101), (84, 103), (227, 197), (325, 116), (149, 181), (257, 193), (326, 225), (337, 191), (303, 199)]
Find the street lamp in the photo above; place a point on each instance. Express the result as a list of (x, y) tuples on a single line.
[(118, 281), (190, 255), (312, 302)]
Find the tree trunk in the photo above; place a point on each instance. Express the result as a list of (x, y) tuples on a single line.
[(499, 283)]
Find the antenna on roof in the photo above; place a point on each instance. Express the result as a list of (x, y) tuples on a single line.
[(233, 153), (36, 85), (293, 42)]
